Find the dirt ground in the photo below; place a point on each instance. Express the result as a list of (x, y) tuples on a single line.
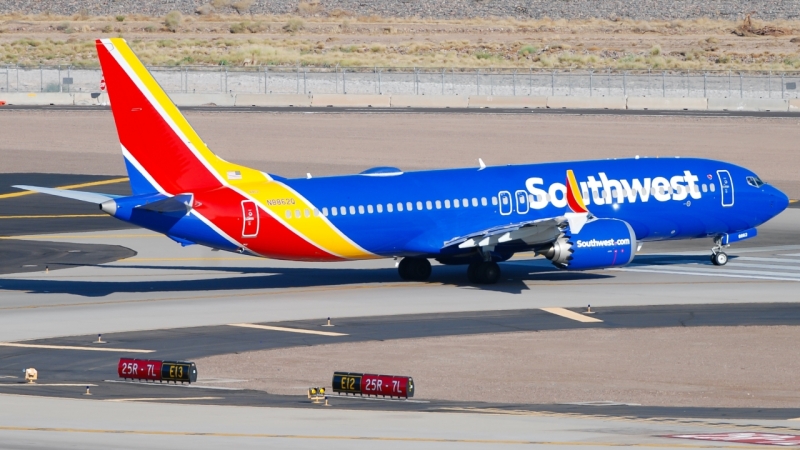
[(367, 42), (699, 366), (293, 144)]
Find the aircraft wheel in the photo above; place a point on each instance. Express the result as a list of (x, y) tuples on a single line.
[(719, 259), (414, 269), (489, 273), (483, 273)]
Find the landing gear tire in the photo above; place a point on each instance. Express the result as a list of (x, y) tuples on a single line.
[(414, 269), (719, 259), (483, 273)]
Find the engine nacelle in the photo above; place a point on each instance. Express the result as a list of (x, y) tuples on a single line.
[(600, 243)]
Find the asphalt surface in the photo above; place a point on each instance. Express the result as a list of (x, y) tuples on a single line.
[(335, 110), (64, 373)]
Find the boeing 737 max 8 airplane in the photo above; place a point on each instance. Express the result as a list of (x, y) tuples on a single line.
[(580, 215)]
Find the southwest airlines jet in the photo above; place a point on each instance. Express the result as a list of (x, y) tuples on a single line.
[(579, 215)]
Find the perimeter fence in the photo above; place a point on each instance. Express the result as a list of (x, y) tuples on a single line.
[(414, 81)]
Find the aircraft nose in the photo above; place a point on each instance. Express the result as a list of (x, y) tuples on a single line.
[(778, 200)]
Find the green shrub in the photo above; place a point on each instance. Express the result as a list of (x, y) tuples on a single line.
[(294, 25), (120, 18), (173, 20)]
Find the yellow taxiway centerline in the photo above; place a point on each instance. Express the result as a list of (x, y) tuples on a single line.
[(570, 315), (71, 347), (71, 186), (290, 330)]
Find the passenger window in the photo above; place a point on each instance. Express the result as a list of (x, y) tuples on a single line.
[(307, 213), (428, 205), (419, 206), (464, 202), (360, 209), (316, 212), (705, 188), (483, 201), (297, 213), (447, 204), (325, 212), (712, 187), (334, 211), (288, 214), (352, 210), (494, 200), (343, 211), (438, 204), (369, 209), (455, 203), (379, 207), (399, 206), (389, 207), (409, 206)]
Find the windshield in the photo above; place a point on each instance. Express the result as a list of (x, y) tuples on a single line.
[(755, 181)]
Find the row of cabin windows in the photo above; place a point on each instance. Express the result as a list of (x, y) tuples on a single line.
[(390, 207), (456, 203)]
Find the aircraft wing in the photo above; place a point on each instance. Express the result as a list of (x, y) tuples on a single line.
[(91, 197), (532, 232)]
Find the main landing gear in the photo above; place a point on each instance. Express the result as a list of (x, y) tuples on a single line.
[(718, 257), (484, 272), (414, 269)]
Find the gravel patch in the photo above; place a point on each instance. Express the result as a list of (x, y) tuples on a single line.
[(441, 9), (702, 366)]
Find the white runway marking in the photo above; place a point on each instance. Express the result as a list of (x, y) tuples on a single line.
[(185, 386), (69, 347), (570, 315), (290, 330)]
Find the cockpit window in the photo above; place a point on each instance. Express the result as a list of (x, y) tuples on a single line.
[(755, 181)]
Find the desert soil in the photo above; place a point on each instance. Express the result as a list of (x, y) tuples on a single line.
[(695, 366)]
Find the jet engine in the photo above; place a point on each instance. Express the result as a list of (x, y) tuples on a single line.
[(600, 243)]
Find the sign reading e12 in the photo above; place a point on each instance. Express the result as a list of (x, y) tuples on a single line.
[(371, 384)]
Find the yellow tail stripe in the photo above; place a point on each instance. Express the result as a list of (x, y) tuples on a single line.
[(576, 190)]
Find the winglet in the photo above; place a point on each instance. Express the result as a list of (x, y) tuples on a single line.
[(574, 197)]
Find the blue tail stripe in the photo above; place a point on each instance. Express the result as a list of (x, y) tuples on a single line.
[(139, 184)]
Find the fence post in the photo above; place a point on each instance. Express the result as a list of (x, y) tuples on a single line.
[(478, 81), (783, 86), (608, 75), (514, 82), (730, 91), (296, 78), (569, 82), (664, 83), (491, 82), (705, 92), (416, 81), (380, 89), (553, 83), (530, 81), (41, 79), (688, 85), (741, 85), (305, 84), (591, 73), (442, 81), (8, 75), (17, 67), (624, 83), (266, 79), (649, 77), (769, 82), (60, 86), (344, 81), (226, 79)]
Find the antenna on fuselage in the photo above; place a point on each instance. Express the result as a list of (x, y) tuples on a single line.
[(308, 176), (481, 163)]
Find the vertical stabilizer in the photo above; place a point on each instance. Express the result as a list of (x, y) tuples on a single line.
[(162, 151)]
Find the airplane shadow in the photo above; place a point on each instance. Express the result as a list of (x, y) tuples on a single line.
[(512, 282)]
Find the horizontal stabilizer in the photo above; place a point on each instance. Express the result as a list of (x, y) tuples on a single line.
[(91, 197), (180, 203)]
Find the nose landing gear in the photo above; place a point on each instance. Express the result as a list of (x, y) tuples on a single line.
[(718, 257)]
